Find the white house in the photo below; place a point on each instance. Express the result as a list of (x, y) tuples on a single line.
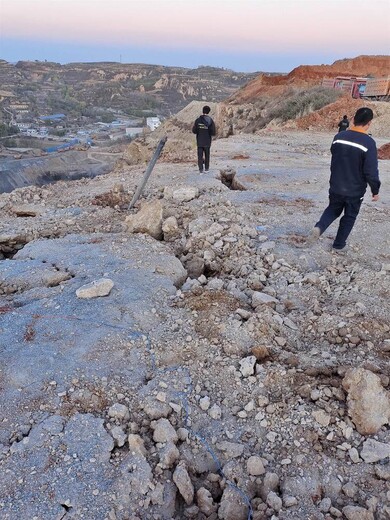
[(153, 122)]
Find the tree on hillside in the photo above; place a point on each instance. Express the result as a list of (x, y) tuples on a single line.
[(6, 130)]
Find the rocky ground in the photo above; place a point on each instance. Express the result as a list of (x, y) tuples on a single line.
[(213, 366)]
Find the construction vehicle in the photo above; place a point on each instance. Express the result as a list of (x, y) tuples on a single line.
[(376, 89)]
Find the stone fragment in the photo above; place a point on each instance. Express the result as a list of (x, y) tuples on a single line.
[(312, 278), (215, 284), (290, 324), (231, 449), (383, 472), (350, 489), (183, 434), (354, 455), (261, 298), (194, 266), (247, 366), (321, 417), (183, 482), (26, 210), (289, 501), (170, 229), (135, 478), (164, 431), (148, 220), (232, 506), (205, 501), (95, 289), (156, 409), (368, 402), (243, 313), (270, 483), (335, 512), (185, 193), (119, 411), (215, 412), (168, 455), (325, 505), (373, 450), (204, 403), (357, 513), (255, 466), (274, 501), (192, 512), (136, 444), (118, 435)]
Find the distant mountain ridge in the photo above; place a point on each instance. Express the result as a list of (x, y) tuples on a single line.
[(82, 88)]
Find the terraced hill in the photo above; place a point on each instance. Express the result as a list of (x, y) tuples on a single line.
[(85, 89)]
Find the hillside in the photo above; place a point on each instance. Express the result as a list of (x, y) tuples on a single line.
[(280, 100), (311, 75), (89, 90)]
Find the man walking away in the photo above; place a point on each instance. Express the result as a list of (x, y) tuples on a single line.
[(204, 128), (354, 164), (344, 124)]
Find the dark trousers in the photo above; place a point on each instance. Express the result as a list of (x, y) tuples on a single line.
[(338, 204), (203, 151)]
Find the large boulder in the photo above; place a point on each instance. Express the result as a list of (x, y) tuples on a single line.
[(368, 402), (148, 220)]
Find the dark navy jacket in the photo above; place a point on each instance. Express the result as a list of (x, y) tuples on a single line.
[(204, 128), (354, 164)]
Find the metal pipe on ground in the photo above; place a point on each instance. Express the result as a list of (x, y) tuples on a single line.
[(148, 171)]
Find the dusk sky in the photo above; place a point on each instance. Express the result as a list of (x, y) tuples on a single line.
[(243, 35)]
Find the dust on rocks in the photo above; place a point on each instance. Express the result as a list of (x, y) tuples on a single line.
[(227, 373)]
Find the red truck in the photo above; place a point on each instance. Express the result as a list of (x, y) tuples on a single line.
[(376, 89)]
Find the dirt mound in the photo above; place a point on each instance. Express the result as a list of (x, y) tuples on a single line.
[(306, 75), (194, 110), (328, 117), (384, 151), (181, 144)]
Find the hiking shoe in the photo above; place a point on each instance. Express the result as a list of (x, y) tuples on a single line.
[(340, 251), (315, 234)]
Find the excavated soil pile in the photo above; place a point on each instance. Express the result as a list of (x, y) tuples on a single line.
[(306, 75), (384, 151), (328, 117), (181, 144), (298, 101)]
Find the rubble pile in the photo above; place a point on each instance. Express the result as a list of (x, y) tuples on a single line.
[(219, 371)]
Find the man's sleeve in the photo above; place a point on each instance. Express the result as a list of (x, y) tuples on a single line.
[(370, 169), (212, 128), (195, 127)]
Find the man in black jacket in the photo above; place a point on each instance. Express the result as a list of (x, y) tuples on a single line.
[(204, 128), (344, 124), (354, 165)]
